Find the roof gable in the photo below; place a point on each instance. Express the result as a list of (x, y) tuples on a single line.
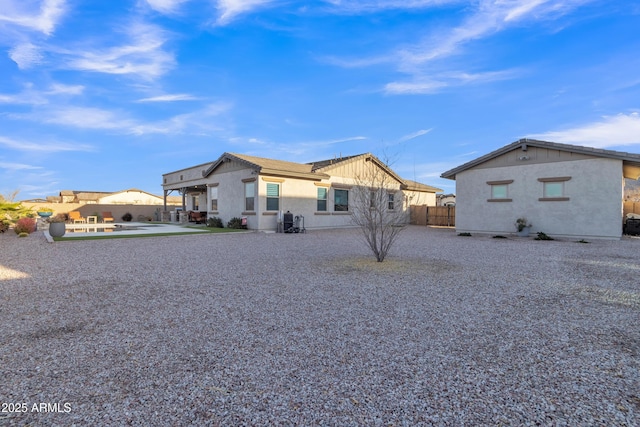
[(418, 186), (266, 166), (521, 148), (328, 165)]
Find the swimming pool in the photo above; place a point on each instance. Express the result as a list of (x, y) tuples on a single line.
[(103, 228)]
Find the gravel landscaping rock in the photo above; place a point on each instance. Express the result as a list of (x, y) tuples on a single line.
[(307, 329)]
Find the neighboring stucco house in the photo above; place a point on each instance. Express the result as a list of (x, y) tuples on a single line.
[(446, 200), (563, 190), (238, 185), (132, 196)]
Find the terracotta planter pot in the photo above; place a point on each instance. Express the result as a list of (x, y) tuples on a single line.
[(57, 229)]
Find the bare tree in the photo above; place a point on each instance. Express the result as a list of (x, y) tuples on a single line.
[(378, 205)]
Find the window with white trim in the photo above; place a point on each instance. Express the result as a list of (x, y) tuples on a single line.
[(499, 190), (554, 189), (322, 199), (214, 198), (273, 196), (249, 196), (391, 201)]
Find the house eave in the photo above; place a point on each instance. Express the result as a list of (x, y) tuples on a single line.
[(626, 158), (288, 174)]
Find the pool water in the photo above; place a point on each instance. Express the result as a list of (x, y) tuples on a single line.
[(98, 228)]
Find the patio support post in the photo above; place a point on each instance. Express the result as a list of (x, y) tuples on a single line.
[(183, 214), (165, 212)]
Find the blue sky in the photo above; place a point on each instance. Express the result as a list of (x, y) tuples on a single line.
[(107, 96)]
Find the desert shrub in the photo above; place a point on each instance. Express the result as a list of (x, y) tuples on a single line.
[(215, 222), (25, 225), (11, 211), (543, 236), (23, 234), (59, 218), (235, 223), (4, 225), (127, 217)]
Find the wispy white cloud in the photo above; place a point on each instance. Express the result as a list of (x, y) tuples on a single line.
[(50, 147), (78, 117), (424, 62), (368, 6), (166, 7), (63, 89), (230, 9), (423, 86), (330, 141), (199, 122), (489, 18), (435, 83), (142, 54), (414, 135), (611, 131), (31, 96), (25, 55), (41, 16), (17, 166), (169, 98), (298, 151)]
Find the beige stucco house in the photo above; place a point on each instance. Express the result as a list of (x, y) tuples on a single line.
[(132, 196), (260, 189), (563, 190)]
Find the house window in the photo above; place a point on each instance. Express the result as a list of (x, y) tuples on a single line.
[(249, 196), (273, 197), (195, 203), (553, 189), (340, 200), (499, 191), (214, 198), (391, 204), (322, 199), (372, 199)]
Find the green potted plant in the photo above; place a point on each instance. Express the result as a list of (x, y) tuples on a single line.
[(523, 226), (57, 226)]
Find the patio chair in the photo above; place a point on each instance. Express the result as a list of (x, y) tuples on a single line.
[(76, 217), (107, 216)]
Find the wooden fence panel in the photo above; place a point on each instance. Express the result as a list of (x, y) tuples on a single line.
[(418, 215), (433, 215)]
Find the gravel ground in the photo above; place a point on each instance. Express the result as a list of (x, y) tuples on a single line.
[(272, 329)]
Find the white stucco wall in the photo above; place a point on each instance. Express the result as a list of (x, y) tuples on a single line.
[(297, 195), (131, 198), (594, 208), (185, 177)]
